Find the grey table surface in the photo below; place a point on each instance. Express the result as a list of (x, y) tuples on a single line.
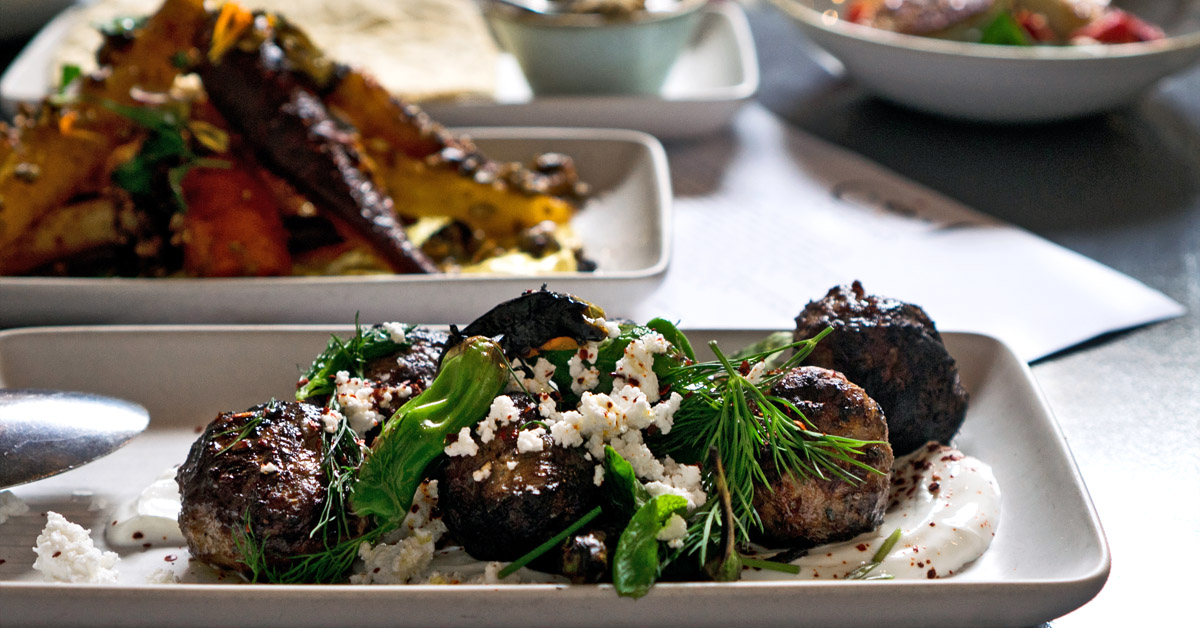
[(1122, 188)]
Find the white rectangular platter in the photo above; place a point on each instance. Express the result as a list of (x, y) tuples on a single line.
[(1048, 558), (625, 228), (715, 75)]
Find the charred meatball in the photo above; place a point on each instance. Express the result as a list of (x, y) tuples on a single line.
[(501, 503), (808, 511), (259, 471), (893, 350), (417, 363)]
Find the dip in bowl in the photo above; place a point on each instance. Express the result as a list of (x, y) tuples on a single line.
[(594, 46)]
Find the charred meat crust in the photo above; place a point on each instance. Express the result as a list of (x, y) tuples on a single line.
[(893, 350), (270, 103), (260, 471), (415, 365), (804, 512), (511, 511)]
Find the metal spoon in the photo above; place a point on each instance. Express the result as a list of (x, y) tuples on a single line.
[(46, 432)]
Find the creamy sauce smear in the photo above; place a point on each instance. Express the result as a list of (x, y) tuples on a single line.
[(152, 518), (946, 505)]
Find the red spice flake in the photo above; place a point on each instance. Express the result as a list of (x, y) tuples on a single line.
[(936, 477), (170, 558), (862, 547), (375, 570), (198, 429), (302, 383), (2, 561), (932, 447), (951, 457), (931, 574), (932, 524), (934, 487), (921, 564), (898, 481), (146, 546), (138, 535), (114, 523), (583, 353), (56, 555), (414, 509)]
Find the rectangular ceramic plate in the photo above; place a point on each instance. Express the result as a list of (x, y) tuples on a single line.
[(715, 75), (1048, 558), (625, 228)]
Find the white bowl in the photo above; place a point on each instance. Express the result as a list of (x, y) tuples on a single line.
[(1003, 83)]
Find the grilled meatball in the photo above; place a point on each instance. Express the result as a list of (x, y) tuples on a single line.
[(263, 468), (513, 510), (414, 367), (802, 512), (893, 350)]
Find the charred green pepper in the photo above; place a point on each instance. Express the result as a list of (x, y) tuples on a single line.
[(472, 374)]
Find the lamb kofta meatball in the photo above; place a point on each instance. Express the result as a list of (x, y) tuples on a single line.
[(893, 350), (808, 511), (259, 471), (416, 364), (501, 502)]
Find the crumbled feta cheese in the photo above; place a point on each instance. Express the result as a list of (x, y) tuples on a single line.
[(355, 396), (756, 372), (420, 514), (683, 480), (540, 380), (673, 532), (163, 576), (11, 506), (66, 553), (636, 366), (407, 559), (330, 419), (502, 412), (614, 329), (530, 440), (395, 563), (664, 412), (395, 332), (584, 375), (464, 446), (268, 468), (511, 464), (483, 472), (598, 476)]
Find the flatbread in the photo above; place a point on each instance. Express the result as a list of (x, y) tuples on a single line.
[(417, 49)]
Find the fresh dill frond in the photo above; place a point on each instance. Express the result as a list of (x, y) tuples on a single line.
[(725, 412)]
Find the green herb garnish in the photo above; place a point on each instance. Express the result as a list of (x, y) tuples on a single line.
[(1004, 31), (862, 572), (723, 411)]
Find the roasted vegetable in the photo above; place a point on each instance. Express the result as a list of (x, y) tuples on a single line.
[(272, 105), (538, 320)]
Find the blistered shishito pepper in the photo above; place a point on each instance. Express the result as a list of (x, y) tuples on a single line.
[(471, 376)]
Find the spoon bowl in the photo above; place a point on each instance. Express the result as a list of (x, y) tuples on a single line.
[(47, 432)]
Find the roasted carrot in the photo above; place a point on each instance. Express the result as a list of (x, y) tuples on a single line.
[(232, 227)]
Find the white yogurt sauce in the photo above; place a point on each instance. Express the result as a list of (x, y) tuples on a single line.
[(152, 518), (946, 505)]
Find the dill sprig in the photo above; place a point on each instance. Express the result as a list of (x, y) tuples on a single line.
[(724, 411)]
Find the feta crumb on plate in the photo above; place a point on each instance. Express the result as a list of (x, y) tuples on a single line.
[(11, 506), (66, 553)]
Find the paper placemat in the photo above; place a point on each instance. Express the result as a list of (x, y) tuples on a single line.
[(769, 217)]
